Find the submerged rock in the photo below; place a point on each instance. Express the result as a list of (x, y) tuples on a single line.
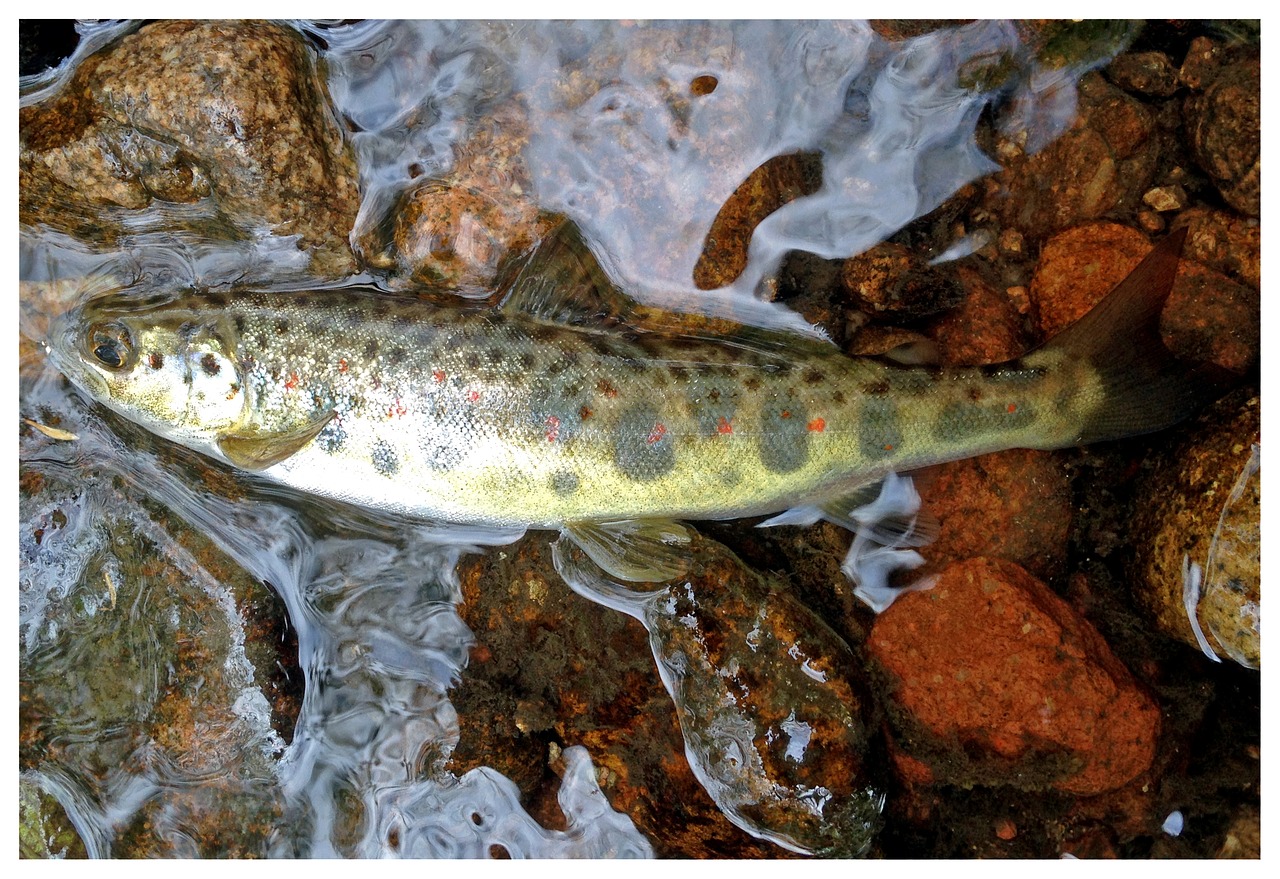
[(1100, 167), (1225, 127), (1208, 317), (235, 140), (1201, 506), (993, 679), (153, 701)]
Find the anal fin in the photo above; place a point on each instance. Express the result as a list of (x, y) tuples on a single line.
[(258, 450)]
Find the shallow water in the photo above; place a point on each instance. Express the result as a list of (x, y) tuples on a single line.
[(138, 561)]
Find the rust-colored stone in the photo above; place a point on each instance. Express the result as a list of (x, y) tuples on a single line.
[(993, 679), (1014, 505), (1208, 317)]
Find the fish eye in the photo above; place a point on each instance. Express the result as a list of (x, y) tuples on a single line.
[(110, 344)]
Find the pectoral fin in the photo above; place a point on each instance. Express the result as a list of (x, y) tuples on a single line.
[(640, 551), (258, 450)]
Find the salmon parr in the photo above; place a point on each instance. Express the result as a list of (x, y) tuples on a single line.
[(541, 414)]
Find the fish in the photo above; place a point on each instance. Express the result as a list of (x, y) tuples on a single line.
[(558, 409)]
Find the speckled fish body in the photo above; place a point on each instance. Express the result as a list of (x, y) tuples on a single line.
[(502, 417)]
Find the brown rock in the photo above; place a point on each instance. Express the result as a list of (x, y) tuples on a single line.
[(1102, 165), (1225, 129), (1208, 317), (1224, 242), (1147, 73), (551, 668), (891, 279), (1201, 62), (775, 183), (456, 232), (985, 327), (243, 120), (1202, 504), (1014, 505), (993, 679)]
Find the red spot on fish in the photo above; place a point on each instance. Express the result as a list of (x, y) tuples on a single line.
[(817, 425), (724, 425), (473, 396), (888, 447), (604, 387), (397, 409), (1012, 408), (291, 382), (342, 364), (658, 432), (786, 413), (584, 413), (438, 375), (553, 428)]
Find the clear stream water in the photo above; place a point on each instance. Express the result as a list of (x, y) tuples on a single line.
[(372, 601)]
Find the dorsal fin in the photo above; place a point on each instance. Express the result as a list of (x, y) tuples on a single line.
[(562, 281)]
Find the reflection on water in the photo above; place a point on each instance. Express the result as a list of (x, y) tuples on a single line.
[(142, 568)]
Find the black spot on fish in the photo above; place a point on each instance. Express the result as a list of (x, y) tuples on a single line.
[(332, 438), (261, 339), (496, 355), (876, 388), (679, 373), (752, 382), (557, 366), (380, 308), (812, 375), (209, 365), (282, 325), (838, 398), (564, 482), (400, 319), (472, 360), (440, 454), (304, 300), (240, 324), (155, 360), (527, 360), (371, 349), (783, 438), (643, 447), (397, 354), (879, 432), (384, 458)]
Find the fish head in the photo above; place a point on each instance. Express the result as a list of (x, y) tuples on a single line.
[(162, 365)]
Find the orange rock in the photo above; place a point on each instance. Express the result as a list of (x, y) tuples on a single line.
[(996, 680), (1013, 505), (1208, 316)]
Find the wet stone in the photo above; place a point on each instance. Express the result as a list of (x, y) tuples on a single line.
[(131, 131), (1201, 504), (996, 680), (145, 646)]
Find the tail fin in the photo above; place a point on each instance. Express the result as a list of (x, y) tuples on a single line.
[(1143, 387)]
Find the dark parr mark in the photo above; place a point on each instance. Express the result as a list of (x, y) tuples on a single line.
[(879, 431), (384, 458), (643, 449), (564, 482), (209, 365), (332, 438), (783, 439), (371, 349)]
